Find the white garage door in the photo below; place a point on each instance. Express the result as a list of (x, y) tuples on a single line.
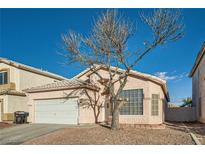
[(56, 111)]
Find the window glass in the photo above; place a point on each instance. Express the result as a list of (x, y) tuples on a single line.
[(3, 78), (155, 105), (134, 106)]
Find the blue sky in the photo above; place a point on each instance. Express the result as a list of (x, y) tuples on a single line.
[(33, 37)]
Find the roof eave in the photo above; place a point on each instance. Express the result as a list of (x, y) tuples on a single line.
[(13, 93), (31, 69), (159, 81), (57, 89)]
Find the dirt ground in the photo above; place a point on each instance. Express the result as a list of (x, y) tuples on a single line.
[(101, 135), (5, 125)]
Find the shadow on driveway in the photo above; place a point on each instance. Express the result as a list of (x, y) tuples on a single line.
[(21, 133)]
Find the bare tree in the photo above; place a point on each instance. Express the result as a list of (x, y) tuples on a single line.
[(91, 99), (92, 102), (107, 45)]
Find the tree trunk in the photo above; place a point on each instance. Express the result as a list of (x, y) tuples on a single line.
[(115, 117), (96, 119), (95, 115)]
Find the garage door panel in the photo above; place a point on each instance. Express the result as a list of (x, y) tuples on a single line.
[(42, 106), (63, 120), (44, 114), (50, 121), (59, 111)]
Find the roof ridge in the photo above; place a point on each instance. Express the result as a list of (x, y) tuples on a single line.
[(134, 71), (68, 83)]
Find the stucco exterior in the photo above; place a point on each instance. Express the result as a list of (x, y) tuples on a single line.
[(20, 77), (198, 85), (135, 82), (10, 104), (181, 114), (85, 114)]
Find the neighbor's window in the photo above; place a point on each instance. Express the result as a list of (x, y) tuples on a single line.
[(3, 77), (134, 106), (155, 104)]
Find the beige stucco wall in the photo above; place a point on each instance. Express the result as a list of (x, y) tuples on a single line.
[(13, 74), (24, 79), (16, 103), (198, 85), (2, 106), (149, 88), (85, 114), (21, 79), (181, 114), (37, 80), (12, 104)]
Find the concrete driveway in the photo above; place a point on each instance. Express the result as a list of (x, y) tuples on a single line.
[(21, 133)]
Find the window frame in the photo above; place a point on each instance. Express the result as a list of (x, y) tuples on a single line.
[(155, 105), (7, 75), (135, 105)]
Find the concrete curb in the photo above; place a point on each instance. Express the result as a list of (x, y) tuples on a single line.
[(197, 142), (194, 138)]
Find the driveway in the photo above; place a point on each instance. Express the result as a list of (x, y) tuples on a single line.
[(21, 133)]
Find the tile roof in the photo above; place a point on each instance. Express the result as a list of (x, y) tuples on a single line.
[(60, 85), (132, 72), (122, 70), (12, 92)]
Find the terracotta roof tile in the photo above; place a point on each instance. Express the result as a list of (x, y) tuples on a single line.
[(12, 92), (65, 84)]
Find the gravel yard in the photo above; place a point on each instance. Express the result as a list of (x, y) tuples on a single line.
[(102, 135)]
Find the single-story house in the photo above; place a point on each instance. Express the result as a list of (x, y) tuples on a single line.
[(60, 102), (198, 85), (14, 77)]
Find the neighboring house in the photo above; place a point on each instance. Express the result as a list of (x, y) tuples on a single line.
[(14, 77), (60, 102), (198, 85)]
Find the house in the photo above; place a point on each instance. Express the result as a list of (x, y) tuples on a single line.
[(14, 77), (198, 85), (59, 102)]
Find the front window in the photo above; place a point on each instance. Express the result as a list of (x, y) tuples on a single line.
[(134, 106), (3, 77)]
